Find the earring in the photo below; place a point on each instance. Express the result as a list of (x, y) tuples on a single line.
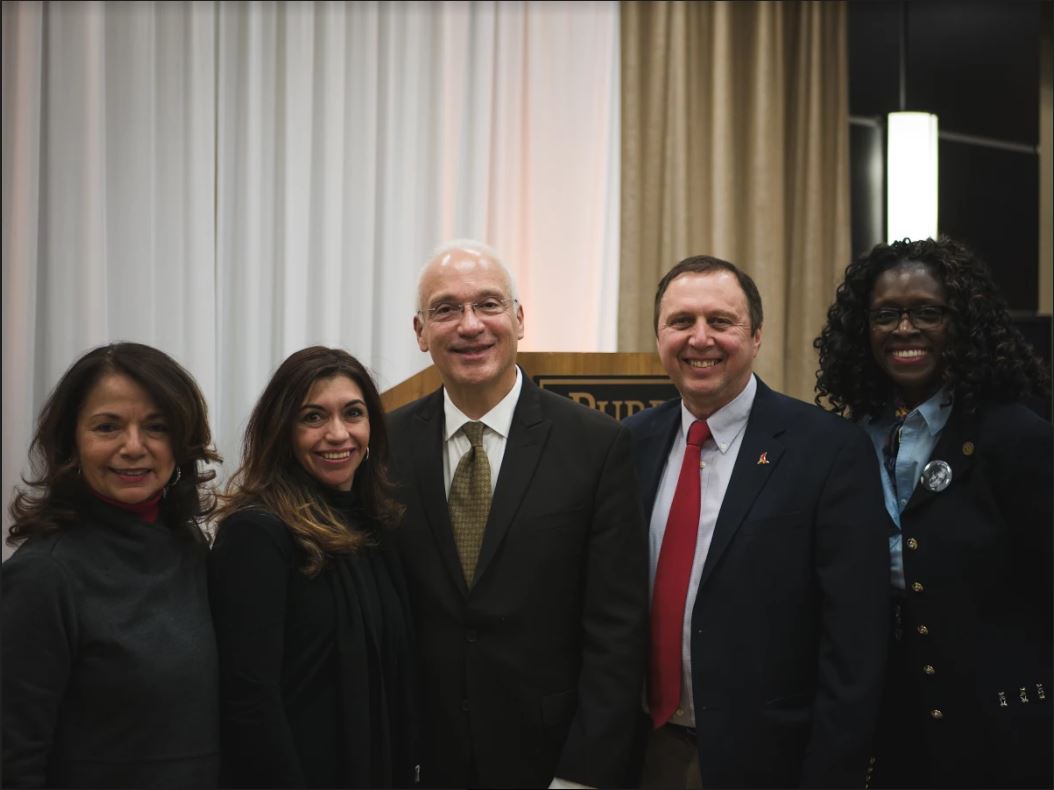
[(367, 456), (172, 482)]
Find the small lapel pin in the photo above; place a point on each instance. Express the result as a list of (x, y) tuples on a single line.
[(763, 458), (967, 448)]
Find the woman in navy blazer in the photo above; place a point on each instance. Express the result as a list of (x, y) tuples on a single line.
[(920, 349)]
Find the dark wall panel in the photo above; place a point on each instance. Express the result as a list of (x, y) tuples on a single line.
[(976, 64), (989, 199), (874, 41)]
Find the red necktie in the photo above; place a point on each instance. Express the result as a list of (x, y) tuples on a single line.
[(671, 583)]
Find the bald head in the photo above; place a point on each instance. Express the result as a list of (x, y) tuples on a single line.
[(462, 255), (470, 321)]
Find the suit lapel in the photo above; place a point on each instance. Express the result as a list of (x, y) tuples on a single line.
[(428, 425), (759, 455), (523, 450), (955, 447)]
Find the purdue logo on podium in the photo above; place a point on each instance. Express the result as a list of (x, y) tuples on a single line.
[(616, 396)]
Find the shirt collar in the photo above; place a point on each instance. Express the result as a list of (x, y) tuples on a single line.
[(727, 422), (498, 419), (935, 411)]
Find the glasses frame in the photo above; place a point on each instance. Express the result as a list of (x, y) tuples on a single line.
[(429, 312), (911, 313)]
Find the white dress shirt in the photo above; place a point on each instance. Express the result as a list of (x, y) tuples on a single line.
[(716, 461), (497, 423)]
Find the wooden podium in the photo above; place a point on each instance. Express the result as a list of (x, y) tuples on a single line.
[(616, 384)]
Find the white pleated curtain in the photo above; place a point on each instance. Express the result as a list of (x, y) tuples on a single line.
[(231, 182)]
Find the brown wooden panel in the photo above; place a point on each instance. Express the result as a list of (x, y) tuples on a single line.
[(539, 363)]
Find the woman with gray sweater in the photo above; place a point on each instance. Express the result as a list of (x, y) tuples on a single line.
[(110, 672)]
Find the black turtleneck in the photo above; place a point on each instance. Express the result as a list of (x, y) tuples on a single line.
[(315, 684), (109, 661)]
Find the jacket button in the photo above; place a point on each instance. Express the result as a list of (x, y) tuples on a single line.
[(913, 544), (471, 636), (917, 587), (464, 705), (936, 714), (929, 670), (923, 630)]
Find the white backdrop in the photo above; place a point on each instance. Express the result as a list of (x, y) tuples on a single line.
[(231, 182)]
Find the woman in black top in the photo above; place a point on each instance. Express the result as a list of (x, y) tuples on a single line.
[(109, 662), (920, 349), (307, 596)]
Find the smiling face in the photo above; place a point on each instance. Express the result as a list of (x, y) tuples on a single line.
[(911, 357), (704, 338), (122, 440), (475, 353), (332, 432)]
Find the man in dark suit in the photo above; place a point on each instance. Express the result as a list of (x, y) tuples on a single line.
[(768, 558), (525, 550)]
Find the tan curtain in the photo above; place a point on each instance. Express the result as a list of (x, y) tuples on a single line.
[(735, 143)]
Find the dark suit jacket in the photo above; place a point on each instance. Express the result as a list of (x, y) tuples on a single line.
[(981, 551), (537, 670), (790, 621)]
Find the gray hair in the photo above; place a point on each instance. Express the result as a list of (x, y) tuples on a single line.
[(471, 245)]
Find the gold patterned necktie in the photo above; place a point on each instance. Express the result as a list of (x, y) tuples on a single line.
[(470, 500)]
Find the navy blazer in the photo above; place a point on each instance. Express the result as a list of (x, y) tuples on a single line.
[(790, 621), (978, 607), (535, 670)]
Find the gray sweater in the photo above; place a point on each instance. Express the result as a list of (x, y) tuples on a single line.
[(109, 659)]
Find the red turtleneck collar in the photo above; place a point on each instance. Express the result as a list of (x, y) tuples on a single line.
[(148, 510)]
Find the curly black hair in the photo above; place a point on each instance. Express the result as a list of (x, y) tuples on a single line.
[(986, 357)]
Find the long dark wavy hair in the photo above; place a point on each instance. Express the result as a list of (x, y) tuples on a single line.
[(271, 478), (986, 357), (54, 493)]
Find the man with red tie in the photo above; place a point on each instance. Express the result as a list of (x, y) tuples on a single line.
[(769, 559)]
